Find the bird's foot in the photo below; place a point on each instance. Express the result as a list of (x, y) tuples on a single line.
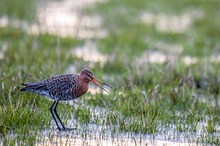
[(65, 129)]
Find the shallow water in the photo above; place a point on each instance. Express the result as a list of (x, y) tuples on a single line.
[(102, 134), (172, 23), (78, 137), (66, 18), (106, 141), (63, 18)]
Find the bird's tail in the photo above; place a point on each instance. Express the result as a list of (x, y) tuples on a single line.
[(31, 87), (25, 87)]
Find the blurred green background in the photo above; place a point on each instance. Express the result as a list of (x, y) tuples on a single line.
[(162, 57)]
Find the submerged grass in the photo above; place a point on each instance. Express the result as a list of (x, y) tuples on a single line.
[(148, 98)]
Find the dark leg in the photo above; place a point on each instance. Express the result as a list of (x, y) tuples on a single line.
[(55, 111), (54, 118)]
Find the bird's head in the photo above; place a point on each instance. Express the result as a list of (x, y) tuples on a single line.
[(87, 76)]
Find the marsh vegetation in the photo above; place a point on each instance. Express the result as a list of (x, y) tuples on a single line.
[(162, 57)]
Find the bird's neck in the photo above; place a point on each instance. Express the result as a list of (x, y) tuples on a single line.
[(82, 89)]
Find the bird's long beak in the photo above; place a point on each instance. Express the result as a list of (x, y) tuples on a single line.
[(104, 83), (95, 81)]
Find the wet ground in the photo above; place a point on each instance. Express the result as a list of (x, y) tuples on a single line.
[(69, 18)]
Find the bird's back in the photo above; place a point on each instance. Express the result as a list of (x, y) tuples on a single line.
[(58, 87)]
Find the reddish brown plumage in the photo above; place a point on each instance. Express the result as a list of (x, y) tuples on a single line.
[(83, 88)]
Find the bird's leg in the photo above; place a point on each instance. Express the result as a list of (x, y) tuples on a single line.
[(51, 111), (55, 111)]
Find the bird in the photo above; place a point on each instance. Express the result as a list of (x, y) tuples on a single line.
[(63, 87)]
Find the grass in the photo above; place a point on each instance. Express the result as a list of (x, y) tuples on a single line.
[(148, 99)]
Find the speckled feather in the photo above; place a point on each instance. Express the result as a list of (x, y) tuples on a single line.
[(58, 87)]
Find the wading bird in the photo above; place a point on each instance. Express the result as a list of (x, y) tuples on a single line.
[(63, 87)]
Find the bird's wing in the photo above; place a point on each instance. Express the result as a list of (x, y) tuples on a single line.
[(62, 87), (58, 87)]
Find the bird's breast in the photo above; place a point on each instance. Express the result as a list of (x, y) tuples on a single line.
[(82, 89)]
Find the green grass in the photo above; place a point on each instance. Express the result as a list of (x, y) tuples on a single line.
[(19, 9), (147, 99)]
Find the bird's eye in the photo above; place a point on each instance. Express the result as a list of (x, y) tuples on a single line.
[(89, 75)]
